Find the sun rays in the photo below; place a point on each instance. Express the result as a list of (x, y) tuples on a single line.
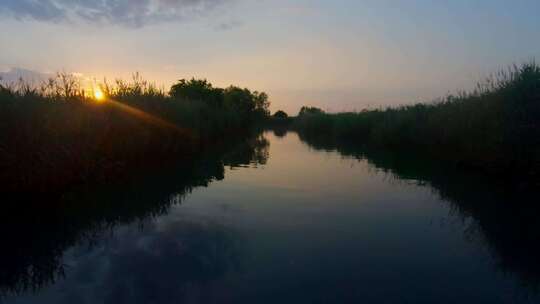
[(99, 96)]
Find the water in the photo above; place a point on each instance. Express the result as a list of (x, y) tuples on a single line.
[(280, 221)]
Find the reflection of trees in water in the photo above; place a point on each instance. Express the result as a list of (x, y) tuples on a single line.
[(503, 215), (254, 152), (36, 231), (280, 131)]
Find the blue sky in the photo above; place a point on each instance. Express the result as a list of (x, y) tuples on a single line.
[(339, 55)]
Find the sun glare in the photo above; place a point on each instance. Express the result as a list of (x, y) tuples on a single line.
[(98, 95)]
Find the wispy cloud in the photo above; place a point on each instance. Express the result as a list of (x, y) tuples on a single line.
[(13, 75), (228, 25), (131, 13)]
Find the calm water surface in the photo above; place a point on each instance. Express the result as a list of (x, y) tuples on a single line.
[(294, 224)]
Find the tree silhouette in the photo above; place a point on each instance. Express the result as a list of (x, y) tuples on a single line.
[(281, 114), (310, 110), (197, 90)]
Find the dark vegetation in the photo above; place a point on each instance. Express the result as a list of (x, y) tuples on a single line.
[(279, 122), (56, 137), (495, 128), (280, 115)]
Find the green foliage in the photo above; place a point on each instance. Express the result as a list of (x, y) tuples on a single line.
[(249, 105), (241, 100), (197, 90)]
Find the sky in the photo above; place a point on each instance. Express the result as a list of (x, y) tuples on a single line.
[(340, 55)]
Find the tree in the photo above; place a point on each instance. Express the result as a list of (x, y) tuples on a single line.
[(281, 115), (197, 90), (261, 103), (310, 111), (239, 99), (248, 105)]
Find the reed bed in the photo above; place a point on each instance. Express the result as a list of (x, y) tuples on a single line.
[(494, 128), (57, 136)]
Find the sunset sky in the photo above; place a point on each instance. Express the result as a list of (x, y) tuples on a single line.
[(338, 55)]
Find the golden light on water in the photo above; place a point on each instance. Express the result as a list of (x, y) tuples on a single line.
[(99, 95)]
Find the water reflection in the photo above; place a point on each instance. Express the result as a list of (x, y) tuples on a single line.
[(300, 226), (164, 261), (280, 131), (255, 153), (501, 214), (37, 231)]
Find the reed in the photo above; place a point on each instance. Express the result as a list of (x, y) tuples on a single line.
[(57, 136), (495, 127)]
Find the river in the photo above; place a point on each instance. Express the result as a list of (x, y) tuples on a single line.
[(281, 220)]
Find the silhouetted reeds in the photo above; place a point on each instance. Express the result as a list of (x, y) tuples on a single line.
[(496, 127), (57, 136)]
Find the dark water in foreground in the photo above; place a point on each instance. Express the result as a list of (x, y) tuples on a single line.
[(282, 221)]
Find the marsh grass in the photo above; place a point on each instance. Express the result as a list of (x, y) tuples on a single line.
[(56, 136), (495, 127)]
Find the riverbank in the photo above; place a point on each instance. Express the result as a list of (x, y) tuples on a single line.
[(494, 129), (57, 138)]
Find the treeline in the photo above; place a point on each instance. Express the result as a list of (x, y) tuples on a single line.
[(58, 136), (495, 128)]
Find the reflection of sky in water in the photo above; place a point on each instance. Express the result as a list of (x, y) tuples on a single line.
[(306, 227), (148, 263)]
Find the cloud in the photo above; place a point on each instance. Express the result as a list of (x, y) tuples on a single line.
[(15, 74), (130, 13), (38, 10), (173, 262)]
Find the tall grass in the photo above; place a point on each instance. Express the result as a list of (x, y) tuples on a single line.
[(494, 127), (56, 136)]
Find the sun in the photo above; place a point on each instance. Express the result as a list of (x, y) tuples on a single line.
[(99, 95)]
